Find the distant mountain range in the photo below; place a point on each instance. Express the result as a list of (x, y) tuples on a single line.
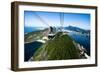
[(77, 29)]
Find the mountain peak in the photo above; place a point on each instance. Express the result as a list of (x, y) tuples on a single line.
[(61, 47)]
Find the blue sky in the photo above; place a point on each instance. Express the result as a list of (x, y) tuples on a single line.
[(31, 19)]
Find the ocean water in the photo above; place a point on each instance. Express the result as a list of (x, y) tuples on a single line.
[(30, 48), (28, 29), (32, 29), (82, 39)]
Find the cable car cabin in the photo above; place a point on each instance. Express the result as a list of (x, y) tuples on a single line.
[(52, 32)]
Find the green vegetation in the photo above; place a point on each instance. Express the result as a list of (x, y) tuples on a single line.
[(32, 36), (60, 47)]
